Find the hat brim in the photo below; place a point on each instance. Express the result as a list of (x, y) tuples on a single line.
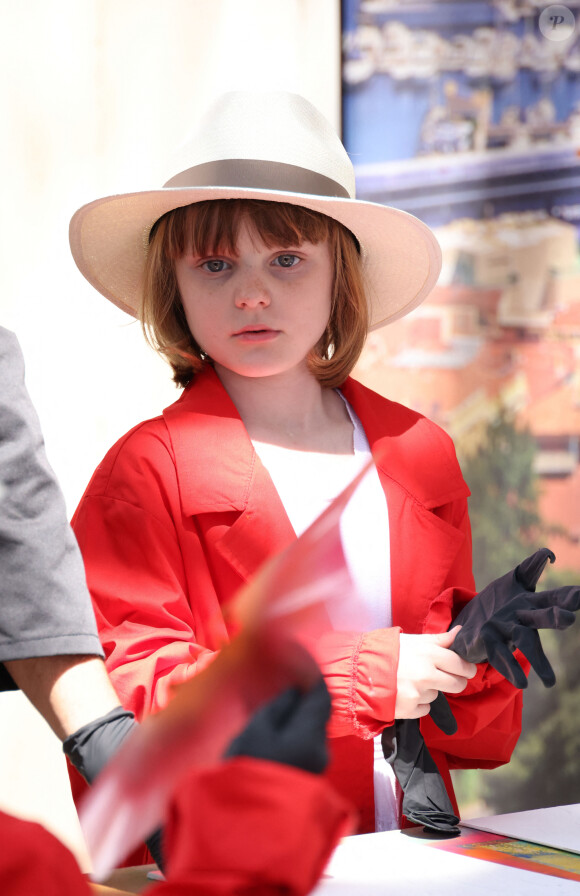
[(400, 255)]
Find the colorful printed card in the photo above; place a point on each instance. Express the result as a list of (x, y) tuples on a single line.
[(514, 853)]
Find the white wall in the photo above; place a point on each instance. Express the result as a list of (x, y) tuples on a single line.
[(94, 95)]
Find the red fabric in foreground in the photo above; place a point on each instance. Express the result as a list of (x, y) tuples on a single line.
[(35, 863), (251, 827), (245, 826)]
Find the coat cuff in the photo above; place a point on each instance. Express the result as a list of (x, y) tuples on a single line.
[(361, 674)]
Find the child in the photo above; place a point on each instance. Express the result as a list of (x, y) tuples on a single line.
[(257, 275), (49, 648)]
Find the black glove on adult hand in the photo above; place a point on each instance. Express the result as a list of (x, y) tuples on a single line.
[(91, 747), (425, 799), (290, 729)]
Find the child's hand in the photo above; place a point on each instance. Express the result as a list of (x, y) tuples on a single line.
[(426, 666)]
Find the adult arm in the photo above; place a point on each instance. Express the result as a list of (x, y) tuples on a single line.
[(46, 609), (68, 691), (48, 636)]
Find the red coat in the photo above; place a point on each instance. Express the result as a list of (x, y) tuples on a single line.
[(181, 512), (260, 828)]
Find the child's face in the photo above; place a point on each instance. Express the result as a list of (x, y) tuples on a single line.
[(258, 312)]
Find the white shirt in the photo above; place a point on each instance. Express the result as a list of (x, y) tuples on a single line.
[(307, 482)]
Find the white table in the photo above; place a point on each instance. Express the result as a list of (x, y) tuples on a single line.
[(395, 863)]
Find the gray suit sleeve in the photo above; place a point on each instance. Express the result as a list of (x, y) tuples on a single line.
[(45, 607)]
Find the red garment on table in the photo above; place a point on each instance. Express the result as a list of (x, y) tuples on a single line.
[(34, 863), (244, 826), (181, 512), (251, 827)]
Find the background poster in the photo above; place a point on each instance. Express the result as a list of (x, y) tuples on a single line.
[(467, 115)]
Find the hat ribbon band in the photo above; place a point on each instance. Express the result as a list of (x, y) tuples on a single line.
[(258, 174)]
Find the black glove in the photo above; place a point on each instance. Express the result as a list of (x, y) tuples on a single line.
[(506, 616), (91, 747), (425, 799), (290, 729), (503, 617)]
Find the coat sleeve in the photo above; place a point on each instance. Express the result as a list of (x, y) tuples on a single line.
[(251, 827), (488, 712), (361, 673), (135, 571), (360, 670)]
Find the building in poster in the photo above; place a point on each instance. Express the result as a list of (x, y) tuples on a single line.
[(466, 115)]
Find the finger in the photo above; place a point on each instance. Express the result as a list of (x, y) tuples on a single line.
[(527, 640), (529, 570), (547, 617), (450, 663), (567, 597), (444, 639), (500, 656), (442, 715)]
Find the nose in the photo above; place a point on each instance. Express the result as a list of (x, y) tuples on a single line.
[(251, 292)]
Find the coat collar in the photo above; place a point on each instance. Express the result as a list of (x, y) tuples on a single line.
[(204, 420), (202, 423), (400, 440)]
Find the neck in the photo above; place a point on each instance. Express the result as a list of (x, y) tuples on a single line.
[(292, 410)]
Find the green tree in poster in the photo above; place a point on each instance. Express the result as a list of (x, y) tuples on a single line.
[(506, 526), (504, 495), (543, 770)]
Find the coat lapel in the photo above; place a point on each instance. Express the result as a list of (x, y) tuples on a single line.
[(422, 545), (219, 472)]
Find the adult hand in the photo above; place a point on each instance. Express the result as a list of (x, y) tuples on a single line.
[(90, 749), (290, 729), (427, 665)]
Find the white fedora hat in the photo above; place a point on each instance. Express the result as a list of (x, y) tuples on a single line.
[(271, 146)]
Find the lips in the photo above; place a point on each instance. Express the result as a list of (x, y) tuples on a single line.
[(254, 328), (255, 333)]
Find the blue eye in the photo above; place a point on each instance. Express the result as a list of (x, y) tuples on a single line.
[(215, 265), (287, 260)]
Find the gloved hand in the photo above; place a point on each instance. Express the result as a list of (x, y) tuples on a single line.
[(503, 617), (290, 729), (91, 747), (506, 616)]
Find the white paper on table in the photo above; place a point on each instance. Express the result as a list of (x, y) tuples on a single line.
[(393, 863), (557, 827)]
